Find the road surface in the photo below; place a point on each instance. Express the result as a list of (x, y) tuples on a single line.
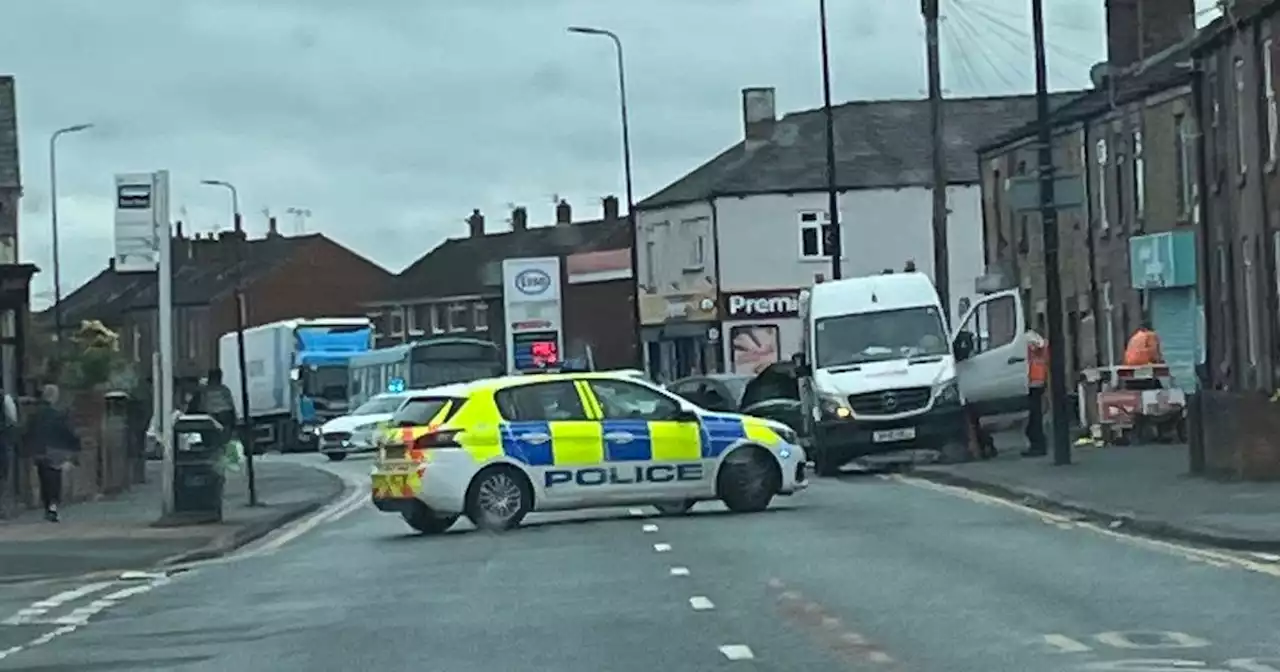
[(861, 573)]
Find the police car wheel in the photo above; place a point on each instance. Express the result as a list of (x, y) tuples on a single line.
[(336, 457), (674, 508), (748, 480), (499, 498), (426, 521)]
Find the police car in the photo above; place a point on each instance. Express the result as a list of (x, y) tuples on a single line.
[(495, 450)]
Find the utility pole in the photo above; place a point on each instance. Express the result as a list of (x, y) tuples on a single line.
[(833, 237), (941, 267), (1049, 219)]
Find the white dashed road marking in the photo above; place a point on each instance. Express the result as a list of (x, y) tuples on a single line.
[(1266, 557), (650, 528), (737, 652), (662, 548), (679, 571), (636, 512), (700, 603)]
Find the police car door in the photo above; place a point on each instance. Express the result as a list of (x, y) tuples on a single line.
[(547, 428), (650, 451)]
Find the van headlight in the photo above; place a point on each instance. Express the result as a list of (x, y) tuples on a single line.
[(946, 394), (834, 406)]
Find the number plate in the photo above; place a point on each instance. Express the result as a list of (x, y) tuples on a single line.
[(890, 435)]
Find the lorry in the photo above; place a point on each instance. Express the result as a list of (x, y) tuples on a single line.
[(880, 372), (297, 376)]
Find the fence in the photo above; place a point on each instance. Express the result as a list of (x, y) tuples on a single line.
[(111, 457)]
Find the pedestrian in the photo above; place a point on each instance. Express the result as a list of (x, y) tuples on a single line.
[(1037, 376), (52, 443), (214, 399)]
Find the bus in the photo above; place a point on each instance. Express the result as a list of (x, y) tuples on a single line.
[(422, 364)]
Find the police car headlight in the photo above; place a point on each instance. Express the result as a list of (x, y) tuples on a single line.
[(947, 394), (835, 407)]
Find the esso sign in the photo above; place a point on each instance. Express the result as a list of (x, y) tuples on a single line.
[(532, 282)]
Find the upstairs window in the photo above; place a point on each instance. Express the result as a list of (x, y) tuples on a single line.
[(816, 234)]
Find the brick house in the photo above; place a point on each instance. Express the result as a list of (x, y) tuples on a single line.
[(285, 277), (456, 288), (1131, 140), (15, 277)]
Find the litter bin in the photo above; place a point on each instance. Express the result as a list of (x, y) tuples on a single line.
[(199, 444)]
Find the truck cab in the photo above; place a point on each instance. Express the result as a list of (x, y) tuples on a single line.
[(880, 372)]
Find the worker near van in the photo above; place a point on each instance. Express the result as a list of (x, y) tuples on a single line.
[(1037, 377), (1144, 347)]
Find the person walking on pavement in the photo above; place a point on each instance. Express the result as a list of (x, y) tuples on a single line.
[(1037, 376), (214, 399), (52, 443)]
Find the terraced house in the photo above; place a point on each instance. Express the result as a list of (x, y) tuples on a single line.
[(1129, 143)]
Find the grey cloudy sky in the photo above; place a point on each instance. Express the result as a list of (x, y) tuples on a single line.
[(389, 120)]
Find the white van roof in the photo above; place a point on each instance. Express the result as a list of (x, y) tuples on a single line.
[(872, 293)]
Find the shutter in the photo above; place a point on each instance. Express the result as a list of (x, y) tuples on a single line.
[(1176, 318)]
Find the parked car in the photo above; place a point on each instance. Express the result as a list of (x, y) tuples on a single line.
[(774, 394)]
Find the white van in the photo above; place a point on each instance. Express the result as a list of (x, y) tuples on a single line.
[(880, 372)]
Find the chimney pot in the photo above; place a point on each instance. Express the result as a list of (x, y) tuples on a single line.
[(476, 224), (759, 114), (610, 208), (272, 229), (564, 213), (239, 225), (519, 218), (111, 263)]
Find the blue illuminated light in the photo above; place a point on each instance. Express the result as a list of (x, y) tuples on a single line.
[(784, 453), (396, 385)]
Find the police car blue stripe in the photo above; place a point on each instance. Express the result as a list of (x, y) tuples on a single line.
[(720, 432), (638, 447), (517, 445)]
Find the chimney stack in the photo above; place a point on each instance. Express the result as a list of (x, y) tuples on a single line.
[(111, 263), (610, 208), (239, 227), (1140, 29), (564, 213), (476, 224), (273, 231), (519, 219), (759, 115), (178, 229)]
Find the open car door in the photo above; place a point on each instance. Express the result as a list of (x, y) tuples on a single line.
[(991, 354), (774, 394)]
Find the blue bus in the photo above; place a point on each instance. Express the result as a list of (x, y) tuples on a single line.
[(422, 364)]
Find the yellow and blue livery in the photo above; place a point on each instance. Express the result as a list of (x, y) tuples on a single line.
[(497, 449)]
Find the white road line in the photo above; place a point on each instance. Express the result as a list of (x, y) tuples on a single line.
[(679, 571), (1266, 557), (1186, 552), (649, 528), (636, 512), (662, 548), (737, 652), (38, 609), (700, 603), (879, 657), (334, 512)]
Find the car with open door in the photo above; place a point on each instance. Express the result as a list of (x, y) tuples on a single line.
[(772, 394)]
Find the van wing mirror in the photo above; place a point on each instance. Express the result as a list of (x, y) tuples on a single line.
[(802, 367), (964, 345)]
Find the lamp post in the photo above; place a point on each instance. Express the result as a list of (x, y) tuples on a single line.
[(240, 319), (626, 168), (53, 220)]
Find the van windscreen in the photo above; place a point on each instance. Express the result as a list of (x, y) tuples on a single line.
[(869, 337)]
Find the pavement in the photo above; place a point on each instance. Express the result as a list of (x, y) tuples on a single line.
[(1143, 488), (119, 533), (857, 573)]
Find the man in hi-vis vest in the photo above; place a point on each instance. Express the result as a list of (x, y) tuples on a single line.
[(1037, 377)]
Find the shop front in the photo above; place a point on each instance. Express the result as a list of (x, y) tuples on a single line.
[(1163, 265), (760, 327), (681, 335)]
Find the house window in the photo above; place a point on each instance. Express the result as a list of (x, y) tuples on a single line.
[(1104, 220), (458, 317), (480, 316), (1242, 165), (1118, 184), (650, 260), (136, 336), (816, 233), (438, 318), (1139, 180), (419, 319), (1269, 95), (697, 254), (397, 322), (1182, 139)]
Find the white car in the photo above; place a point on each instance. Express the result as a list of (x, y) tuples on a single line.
[(357, 431)]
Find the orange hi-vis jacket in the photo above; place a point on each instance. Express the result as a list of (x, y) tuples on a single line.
[(1037, 359), (1143, 349)]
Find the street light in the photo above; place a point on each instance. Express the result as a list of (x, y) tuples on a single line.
[(53, 217), (626, 168), (833, 196), (240, 319)]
